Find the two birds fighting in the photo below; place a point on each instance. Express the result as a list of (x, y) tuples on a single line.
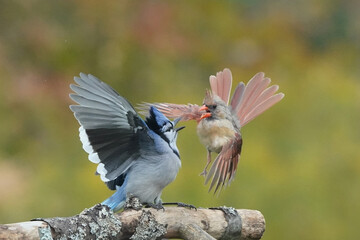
[(140, 158)]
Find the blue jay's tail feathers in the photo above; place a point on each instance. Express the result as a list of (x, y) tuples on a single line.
[(117, 200)]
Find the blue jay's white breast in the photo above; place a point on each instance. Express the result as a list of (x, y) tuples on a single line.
[(215, 133), (149, 176)]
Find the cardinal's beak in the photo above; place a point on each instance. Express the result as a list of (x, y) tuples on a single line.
[(204, 108), (206, 114)]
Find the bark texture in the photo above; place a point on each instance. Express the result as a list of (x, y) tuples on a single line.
[(99, 222)]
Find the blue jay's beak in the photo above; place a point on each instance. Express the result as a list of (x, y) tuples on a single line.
[(175, 122), (178, 129)]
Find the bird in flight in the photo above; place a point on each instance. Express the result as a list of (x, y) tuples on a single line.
[(220, 119)]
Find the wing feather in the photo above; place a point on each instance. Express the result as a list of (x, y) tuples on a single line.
[(237, 96), (223, 169), (255, 98), (92, 96), (250, 88), (261, 86), (262, 107), (221, 84), (110, 127), (171, 110)]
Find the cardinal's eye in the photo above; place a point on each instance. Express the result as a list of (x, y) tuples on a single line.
[(212, 107)]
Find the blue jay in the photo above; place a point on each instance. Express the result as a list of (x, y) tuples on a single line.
[(135, 157)]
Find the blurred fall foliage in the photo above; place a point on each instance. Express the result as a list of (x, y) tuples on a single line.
[(300, 162)]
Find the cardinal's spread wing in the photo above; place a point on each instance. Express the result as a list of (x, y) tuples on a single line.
[(223, 169), (255, 98), (110, 127), (221, 84), (171, 110)]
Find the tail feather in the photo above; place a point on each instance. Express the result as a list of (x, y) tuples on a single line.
[(116, 201), (221, 84)]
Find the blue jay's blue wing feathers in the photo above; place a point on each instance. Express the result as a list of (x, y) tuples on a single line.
[(103, 90), (110, 128), (134, 157)]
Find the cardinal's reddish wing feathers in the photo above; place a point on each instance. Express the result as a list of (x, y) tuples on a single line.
[(221, 84), (171, 110), (223, 169), (237, 96), (255, 98)]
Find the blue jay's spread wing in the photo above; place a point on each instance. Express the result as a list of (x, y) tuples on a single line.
[(222, 171), (171, 110), (110, 127)]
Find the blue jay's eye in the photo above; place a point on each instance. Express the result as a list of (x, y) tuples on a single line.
[(167, 127)]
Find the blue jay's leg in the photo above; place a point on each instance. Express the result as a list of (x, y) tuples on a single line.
[(157, 204), (180, 204), (204, 172), (117, 201)]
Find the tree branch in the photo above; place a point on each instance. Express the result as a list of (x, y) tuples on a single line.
[(99, 222)]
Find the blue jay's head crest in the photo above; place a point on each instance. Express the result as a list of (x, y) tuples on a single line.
[(162, 126), (157, 121)]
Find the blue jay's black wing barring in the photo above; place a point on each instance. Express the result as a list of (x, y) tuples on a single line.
[(110, 127)]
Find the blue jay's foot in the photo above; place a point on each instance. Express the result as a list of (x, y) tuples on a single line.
[(180, 204), (157, 206)]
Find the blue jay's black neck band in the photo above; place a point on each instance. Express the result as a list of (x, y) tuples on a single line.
[(176, 153), (159, 124), (162, 135)]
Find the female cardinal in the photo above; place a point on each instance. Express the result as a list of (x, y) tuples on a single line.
[(219, 123)]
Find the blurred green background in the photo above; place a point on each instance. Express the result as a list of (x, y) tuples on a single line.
[(300, 162)]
